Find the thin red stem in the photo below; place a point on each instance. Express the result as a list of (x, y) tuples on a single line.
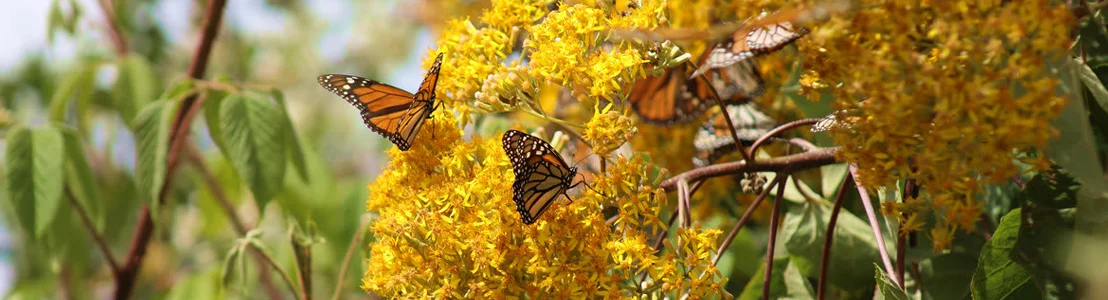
[(829, 236), (774, 221), (785, 164), (742, 221)]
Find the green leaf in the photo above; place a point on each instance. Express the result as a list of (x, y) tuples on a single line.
[(948, 276), (179, 90), (787, 282), (211, 118), (75, 83), (833, 176), (1045, 239), (230, 261), (997, 276), (197, 285), (886, 287), (34, 169), (296, 153), (134, 87), (255, 144), (1075, 151), (804, 230), (152, 131), (79, 178), (1093, 39)]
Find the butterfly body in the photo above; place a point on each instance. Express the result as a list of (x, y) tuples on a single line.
[(390, 111), (541, 174)]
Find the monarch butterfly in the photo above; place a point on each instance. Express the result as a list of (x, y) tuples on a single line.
[(541, 174), (752, 40), (714, 137), (830, 121), (672, 98), (388, 110)]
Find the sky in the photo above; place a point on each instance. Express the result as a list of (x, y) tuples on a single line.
[(30, 36)]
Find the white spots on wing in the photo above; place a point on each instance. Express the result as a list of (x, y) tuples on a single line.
[(346, 87), (349, 80)]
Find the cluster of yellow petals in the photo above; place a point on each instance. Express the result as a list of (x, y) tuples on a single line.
[(956, 91), (448, 229)]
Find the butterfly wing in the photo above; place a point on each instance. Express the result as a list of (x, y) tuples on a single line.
[(423, 104), (541, 174), (669, 99), (714, 137), (750, 41), (390, 111)]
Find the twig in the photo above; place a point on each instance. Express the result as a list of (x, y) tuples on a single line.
[(304, 268), (774, 221), (144, 230), (825, 257), (348, 257), (727, 119), (788, 164), (220, 196), (742, 220), (277, 267), (876, 228), (96, 236), (113, 28), (772, 133)]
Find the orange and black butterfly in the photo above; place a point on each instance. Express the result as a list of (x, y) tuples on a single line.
[(714, 138), (675, 98), (757, 38), (832, 122), (541, 174), (388, 110)]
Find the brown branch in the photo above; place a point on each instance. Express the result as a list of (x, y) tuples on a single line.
[(96, 236), (113, 28), (144, 230), (825, 257), (787, 164), (773, 133), (774, 221), (742, 220)]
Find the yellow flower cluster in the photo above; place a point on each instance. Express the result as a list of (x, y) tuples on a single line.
[(956, 90), (448, 229), (607, 131)]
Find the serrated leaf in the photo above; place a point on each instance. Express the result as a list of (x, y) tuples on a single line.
[(179, 90), (886, 287), (296, 153), (34, 168), (79, 178), (152, 131), (134, 86), (255, 145), (997, 276), (804, 231), (211, 118)]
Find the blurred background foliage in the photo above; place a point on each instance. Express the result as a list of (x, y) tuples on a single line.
[(75, 75)]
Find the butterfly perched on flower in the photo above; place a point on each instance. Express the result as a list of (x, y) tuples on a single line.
[(675, 98), (541, 174), (714, 138), (832, 121), (390, 111)]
